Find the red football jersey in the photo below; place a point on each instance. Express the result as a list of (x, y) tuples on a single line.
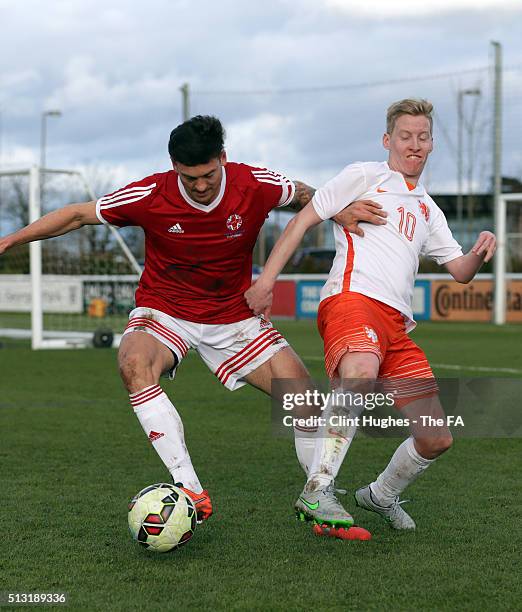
[(198, 259)]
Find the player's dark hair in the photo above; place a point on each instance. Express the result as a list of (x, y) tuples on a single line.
[(197, 140)]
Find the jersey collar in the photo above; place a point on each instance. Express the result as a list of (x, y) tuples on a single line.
[(208, 207), (416, 189)]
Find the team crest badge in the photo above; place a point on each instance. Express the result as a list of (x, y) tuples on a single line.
[(234, 222), (424, 210), (370, 333)]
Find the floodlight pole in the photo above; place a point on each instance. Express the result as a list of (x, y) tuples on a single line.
[(499, 311), (185, 97), (460, 152), (460, 139)]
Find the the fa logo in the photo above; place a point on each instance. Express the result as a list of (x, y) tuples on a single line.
[(424, 210), (370, 333), (234, 222)]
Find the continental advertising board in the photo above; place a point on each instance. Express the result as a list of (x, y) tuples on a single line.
[(451, 301), (438, 298)]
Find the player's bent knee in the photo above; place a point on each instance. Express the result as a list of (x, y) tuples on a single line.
[(359, 380), (287, 364), (443, 443), (135, 371), (433, 446), (359, 368), (364, 372)]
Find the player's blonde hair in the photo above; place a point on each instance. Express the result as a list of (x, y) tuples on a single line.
[(408, 106)]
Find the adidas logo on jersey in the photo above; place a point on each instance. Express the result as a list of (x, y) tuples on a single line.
[(176, 229)]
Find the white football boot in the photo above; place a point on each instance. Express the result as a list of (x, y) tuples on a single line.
[(394, 515), (323, 507)]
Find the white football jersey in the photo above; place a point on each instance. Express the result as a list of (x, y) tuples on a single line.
[(383, 264)]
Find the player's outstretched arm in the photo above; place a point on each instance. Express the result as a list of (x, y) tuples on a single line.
[(55, 223), (464, 268), (259, 296)]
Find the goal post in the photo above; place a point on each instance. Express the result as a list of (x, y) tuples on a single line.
[(35, 262), (53, 274), (509, 249)]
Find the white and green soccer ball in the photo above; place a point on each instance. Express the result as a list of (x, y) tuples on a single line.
[(162, 517)]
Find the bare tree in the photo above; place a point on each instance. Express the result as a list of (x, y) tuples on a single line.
[(90, 250)]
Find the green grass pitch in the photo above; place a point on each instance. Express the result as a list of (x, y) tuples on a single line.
[(72, 454)]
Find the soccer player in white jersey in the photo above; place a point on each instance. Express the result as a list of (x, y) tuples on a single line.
[(365, 311), (201, 221)]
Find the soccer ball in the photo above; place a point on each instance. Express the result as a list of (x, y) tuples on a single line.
[(162, 517)]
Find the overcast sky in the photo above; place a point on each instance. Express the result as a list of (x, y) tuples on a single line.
[(301, 85)]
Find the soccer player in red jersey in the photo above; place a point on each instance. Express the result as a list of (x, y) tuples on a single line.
[(201, 221)]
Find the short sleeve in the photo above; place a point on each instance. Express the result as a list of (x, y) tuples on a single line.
[(349, 185), (123, 207), (440, 245), (278, 190)]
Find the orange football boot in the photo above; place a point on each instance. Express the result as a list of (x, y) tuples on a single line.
[(201, 501), (342, 533)]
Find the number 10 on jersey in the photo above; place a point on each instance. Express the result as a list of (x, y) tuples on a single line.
[(407, 223)]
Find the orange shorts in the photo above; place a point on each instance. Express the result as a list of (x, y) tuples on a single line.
[(352, 322)]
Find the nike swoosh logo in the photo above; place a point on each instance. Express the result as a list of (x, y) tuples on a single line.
[(308, 505), (197, 501), (379, 190)]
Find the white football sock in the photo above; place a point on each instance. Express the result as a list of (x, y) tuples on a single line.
[(333, 442), (404, 467), (162, 424), (305, 440)]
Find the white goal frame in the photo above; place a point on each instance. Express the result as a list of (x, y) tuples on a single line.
[(499, 306), (68, 340)]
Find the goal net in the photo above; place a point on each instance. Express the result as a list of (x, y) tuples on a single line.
[(508, 258), (71, 291)]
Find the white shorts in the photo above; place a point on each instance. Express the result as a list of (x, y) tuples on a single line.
[(230, 350)]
